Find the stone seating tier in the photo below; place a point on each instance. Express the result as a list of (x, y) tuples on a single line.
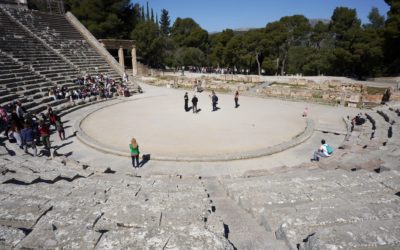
[(301, 204), (48, 205), (63, 37)]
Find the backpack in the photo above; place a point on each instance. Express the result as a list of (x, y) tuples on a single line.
[(329, 149)]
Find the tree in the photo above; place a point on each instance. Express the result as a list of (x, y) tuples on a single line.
[(345, 26), (392, 37), (287, 32), (189, 56), (105, 19), (254, 41), (376, 20), (187, 33), (149, 43), (152, 16), (147, 12), (165, 22)]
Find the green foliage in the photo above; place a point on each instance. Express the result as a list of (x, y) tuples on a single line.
[(392, 37), (187, 33), (165, 23), (150, 45), (105, 19), (291, 45), (376, 20)]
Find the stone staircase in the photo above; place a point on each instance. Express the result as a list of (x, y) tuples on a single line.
[(39, 52), (316, 209), (64, 204)]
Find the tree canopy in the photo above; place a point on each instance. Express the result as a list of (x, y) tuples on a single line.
[(292, 45)]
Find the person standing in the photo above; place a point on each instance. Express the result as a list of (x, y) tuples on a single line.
[(4, 120), (214, 100), (45, 135), (27, 137), (60, 128), (186, 102), (134, 148), (237, 99), (195, 100)]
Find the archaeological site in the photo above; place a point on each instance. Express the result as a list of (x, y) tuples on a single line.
[(121, 129)]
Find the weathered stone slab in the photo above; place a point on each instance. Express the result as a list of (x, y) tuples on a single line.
[(23, 178), (365, 235), (22, 211), (192, 237), (9, 237)]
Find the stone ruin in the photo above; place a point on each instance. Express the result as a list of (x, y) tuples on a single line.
[(349, 201)]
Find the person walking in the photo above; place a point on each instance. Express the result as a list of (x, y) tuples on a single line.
[(237, 99), (60, 128), (186, 102), (45, 135), (195, 100), (214, 101), (27, 137), (134, 148)]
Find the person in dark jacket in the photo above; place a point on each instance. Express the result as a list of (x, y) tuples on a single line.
[(195, 100), (236, 99), (214, 100), (186, 102), (27, 137)]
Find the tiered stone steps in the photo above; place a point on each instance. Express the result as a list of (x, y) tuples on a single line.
[(48, 204)]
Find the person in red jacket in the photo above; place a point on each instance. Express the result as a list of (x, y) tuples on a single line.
[(44, 134)]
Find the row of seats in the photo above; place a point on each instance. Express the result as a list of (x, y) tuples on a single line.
[(30, 67), (350, 200), (63, 37), (64, 205)]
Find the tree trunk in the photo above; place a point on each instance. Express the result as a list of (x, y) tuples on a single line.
[(283, 65), (258, 64)]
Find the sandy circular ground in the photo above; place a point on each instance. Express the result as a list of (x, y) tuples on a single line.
[(163, 128)]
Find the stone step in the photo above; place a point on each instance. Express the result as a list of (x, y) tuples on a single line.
[(241, 229)]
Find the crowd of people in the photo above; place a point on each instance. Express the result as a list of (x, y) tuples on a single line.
[(210, 70), (101, 85), (214, 101), (29, 130)]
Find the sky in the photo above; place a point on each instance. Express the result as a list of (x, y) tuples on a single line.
[(217, 15)]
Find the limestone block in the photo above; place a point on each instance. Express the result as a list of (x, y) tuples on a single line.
[(22, 211), (192, 237), (9, 237), (366, 235)]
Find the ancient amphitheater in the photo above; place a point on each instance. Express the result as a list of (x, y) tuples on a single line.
[(238, 178)]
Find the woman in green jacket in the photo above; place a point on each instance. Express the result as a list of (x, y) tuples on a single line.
[(134, 147)]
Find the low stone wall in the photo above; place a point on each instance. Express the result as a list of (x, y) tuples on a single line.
[(205, 83)]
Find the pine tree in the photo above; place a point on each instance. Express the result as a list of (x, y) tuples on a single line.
[(152, 15), (165, 23), (142, 14), (147, 12), (157, 20)]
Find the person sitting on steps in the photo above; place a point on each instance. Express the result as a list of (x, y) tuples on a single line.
[(325, 150)]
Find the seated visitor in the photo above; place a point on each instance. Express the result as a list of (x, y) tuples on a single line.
[(325, 150)]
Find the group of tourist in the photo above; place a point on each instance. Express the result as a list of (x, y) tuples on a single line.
[(91, 85), (214, 101), (29, 130), (210, 70)]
